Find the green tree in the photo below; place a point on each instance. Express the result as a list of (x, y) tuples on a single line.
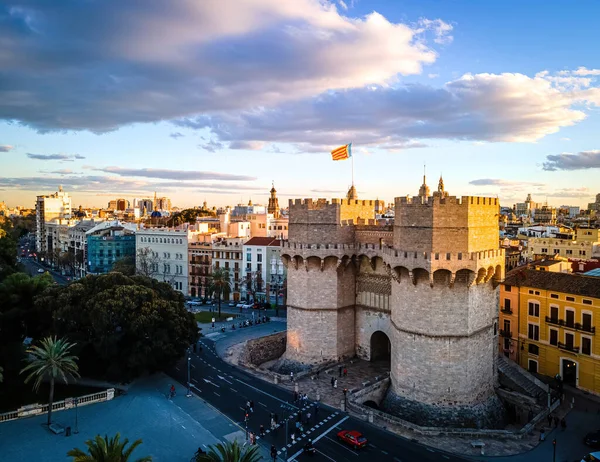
[(50, 361), (125, 265), (220, 285), (230, 452), (8, 249), (123, 326), (107, 450)]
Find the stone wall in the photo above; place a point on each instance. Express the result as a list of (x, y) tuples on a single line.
[(263, 349)]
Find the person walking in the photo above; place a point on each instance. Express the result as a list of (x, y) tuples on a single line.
[(340, 370), (251, 406), (335, 383), (291, 376), (550, 420), (261, 430), (316, 410), (563, 424), (308, 418), (332, 381), (273, 452), (293, 437), (295, 397), (172, 391)]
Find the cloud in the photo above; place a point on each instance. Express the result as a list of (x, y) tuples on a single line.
[(174, 174), (63, 157), (176, 135), (98, 66), (433, 76), (574, 193), (567, 161), (63, 171), (565, 139), (6, 148), (249, 145), (499, 182), (440, 29), (211, 146), (480, 107), (343, 5)]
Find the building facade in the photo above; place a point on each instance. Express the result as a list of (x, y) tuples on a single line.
[(421, 292), (107, 243), (77, 246), (57, 205), (228, 254), (553, 324), (584, 244), (200, 258), (258, 254)]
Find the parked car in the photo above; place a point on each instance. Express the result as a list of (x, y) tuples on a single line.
[(40, 270), (591, 457), (352, 438), (592, 439), (246, 306), (231, 303)]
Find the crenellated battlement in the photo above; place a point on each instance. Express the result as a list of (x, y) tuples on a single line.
[(448, 200), (319, 204)]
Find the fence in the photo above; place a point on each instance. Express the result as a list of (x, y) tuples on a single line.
[(68, 403)]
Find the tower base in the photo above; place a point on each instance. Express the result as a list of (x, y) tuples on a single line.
[(487, 414)]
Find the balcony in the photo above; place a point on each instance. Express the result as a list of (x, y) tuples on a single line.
[(571, 325), (505, 333), (506, 310), (571, 348)]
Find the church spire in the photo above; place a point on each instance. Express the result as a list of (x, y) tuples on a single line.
[(424, 189)]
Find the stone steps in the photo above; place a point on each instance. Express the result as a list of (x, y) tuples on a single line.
[(520, 377)]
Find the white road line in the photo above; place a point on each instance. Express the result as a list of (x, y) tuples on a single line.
[(430, 450), (233, 390), (323, 454), (177, 369), (182, 426), (293, 457), (341, 445), (268, 394), (385, 452), (217, 394), (262, 404)]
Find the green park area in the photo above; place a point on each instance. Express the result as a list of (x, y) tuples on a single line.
[(207, 316)]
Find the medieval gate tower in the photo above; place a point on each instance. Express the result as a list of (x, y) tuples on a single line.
[(427, 283)]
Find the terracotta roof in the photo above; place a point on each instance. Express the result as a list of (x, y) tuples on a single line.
[(264, 241), (569, 283)]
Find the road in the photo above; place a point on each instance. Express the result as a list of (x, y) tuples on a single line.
[(229, 388), (32, 267)]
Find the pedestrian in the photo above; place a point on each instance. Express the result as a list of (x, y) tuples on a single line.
[(550, 420), (542, 435), (251, 406), (332, 381), (556, 420), (345, 372), (172, 391), (262, 430), (563, 424), (308, 418), (295, 396), (293, 436), (340, 370), (291, 376), (317, 375), (299, 416), (273, 452), (335, 383), (273, 424), (316, 410)]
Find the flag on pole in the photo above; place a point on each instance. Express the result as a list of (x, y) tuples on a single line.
[(342, 153)]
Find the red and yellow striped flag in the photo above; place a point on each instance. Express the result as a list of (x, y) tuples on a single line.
[(342, 153)]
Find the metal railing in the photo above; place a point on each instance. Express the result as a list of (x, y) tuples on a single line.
[(571, 325), (571, 348)]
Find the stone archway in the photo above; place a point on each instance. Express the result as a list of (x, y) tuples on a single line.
[(381, 347)]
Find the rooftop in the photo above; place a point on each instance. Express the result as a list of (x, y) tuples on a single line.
[(595, 273), (576, 284), (264, 241)]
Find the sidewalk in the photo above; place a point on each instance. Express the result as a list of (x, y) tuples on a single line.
[(171, 430)]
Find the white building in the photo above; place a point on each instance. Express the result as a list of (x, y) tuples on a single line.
[(227, 253), (57, 205), (258, 256), (77, 245), (168, 253), (56, 239)]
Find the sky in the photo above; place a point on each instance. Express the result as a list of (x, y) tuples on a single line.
[(215, 100)]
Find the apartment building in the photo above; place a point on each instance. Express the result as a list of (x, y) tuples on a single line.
[(548, 322), (77, 245), (584, 244), (56, 239), (228, 254), (259, 272), (107, 243), (47, 208), (163, 254), (200, 264)]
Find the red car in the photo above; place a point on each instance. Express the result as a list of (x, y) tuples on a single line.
[(352, 438)]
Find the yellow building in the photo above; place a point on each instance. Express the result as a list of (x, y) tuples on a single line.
[(548, 323), (584, 244)]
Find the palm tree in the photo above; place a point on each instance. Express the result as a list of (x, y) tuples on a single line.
[(230, 452), (219, 285), (50, 360), (107, 450)]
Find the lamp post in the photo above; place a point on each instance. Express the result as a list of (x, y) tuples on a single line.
[(189, 381), (554, 450), (346, 399)]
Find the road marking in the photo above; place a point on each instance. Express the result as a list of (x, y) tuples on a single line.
[(293, 457), (385, 452), (445, 457), (325, 455), (430, 450), (262, 404), (194, 380), (397, 460), (268, 394), (233, 389), (217, 394), (212, 383), (177, 369), (341, 445), (193, 367), (223, 378)]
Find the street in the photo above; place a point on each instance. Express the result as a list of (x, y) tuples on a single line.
[(229, 389), (32, 267)]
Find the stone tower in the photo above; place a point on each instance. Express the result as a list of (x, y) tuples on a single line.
[(428, 284), (273, 206)]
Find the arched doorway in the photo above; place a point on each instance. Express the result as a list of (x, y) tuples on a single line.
[(381, 347), (569, 372)]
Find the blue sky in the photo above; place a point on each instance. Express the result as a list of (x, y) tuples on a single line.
[(214, 100)]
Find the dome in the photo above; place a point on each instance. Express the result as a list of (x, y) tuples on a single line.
[(156, 214)]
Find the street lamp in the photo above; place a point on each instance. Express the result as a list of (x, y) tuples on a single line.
[(189, 384), (346, 399)]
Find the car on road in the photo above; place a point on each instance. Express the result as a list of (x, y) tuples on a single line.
[(40, 270), (231, 303), (352, 438), (591, 457), (592, 439)]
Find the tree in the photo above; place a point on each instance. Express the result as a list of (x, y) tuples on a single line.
[(220, 285), (51, 360), (254, 283), (125, 265), (107, 450), (147, 262), (230, 452), (123, 326), (8, 249)]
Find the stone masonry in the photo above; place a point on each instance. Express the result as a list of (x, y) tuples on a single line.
[(422, 292)]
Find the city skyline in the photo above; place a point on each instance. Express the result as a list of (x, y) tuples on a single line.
[(211, 104)]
